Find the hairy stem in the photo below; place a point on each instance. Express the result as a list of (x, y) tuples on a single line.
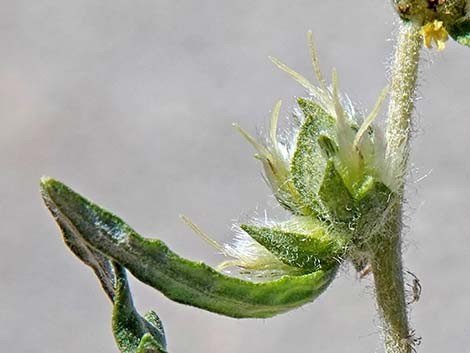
[(389, 286), (386, 259), (402, 95)]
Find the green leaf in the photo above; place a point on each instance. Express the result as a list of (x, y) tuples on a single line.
[(308, 163), (187, 282), (310, 252), (336, 197), (460, 31), (129, 327)]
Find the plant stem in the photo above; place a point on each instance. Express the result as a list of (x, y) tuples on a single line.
[(402, 96), (389, 286), (386, 259)]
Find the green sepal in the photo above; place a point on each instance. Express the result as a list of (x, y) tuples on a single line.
[(460, 31), (181, 280), (308, 162), (335, 196), (129, 328), (310, 252)]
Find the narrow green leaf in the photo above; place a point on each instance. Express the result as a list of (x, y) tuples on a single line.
[(129, 327), (187, 282), (460, 31), (308, 163), (336, 197), (310, 252), (199, 285)]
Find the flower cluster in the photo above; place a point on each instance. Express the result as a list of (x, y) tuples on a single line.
[(331, 174)]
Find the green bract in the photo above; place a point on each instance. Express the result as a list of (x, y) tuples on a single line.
[(308, 162), (309, 252), (181, 280)]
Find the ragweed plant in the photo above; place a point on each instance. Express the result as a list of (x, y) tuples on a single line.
[(340, 177)]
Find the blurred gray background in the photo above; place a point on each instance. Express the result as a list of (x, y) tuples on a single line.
[(130, 102)]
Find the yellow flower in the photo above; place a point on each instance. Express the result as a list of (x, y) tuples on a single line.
[(434, 31)]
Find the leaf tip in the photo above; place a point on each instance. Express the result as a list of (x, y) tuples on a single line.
[(49, 185)]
